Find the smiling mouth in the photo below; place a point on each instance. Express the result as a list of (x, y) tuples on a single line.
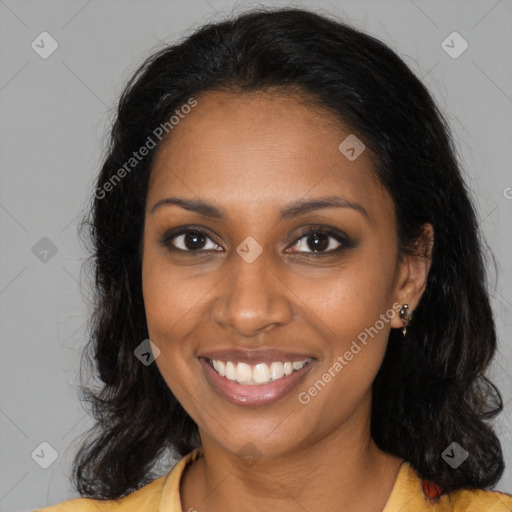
[(256, 374)]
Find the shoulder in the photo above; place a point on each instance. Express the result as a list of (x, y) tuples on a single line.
[(145, 498), (412, 494), (476, 500), (466, 500), (162, 492)]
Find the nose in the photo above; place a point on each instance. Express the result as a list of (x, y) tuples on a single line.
[(253, 298)]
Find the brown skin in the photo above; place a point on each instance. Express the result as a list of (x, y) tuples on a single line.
[(252, 155)]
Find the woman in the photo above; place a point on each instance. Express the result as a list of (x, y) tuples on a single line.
[(281, 213)]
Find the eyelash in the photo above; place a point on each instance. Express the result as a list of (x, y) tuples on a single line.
[(340, 237)]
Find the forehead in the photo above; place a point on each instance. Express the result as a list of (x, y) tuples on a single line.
[(258, 148)]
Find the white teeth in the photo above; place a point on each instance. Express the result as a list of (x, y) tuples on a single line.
[(243, 373), (220, 367), (297, 365), (276, 370), (260, 373), (230, 371)]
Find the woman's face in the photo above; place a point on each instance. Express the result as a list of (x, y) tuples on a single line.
[(251, 293)]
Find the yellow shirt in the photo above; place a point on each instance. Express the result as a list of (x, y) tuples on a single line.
[(407, 495)]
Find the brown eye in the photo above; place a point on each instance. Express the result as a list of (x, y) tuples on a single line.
[(321, 241), (190, 240)]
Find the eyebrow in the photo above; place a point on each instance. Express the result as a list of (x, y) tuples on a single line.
[(295, 209)]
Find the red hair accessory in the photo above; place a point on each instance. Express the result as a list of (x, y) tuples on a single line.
[(431, 490)]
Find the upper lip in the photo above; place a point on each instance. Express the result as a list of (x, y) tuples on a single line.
[(254, 356)]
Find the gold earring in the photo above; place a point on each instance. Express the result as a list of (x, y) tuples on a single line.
[(406, 316)]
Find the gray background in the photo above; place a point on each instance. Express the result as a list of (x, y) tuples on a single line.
[(54, 115)]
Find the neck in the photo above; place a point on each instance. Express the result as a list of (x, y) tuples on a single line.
[(343, 471)]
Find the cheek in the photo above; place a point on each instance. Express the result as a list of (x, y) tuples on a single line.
[(164, 315), (172, 303), (353, 298), (169, 295), (355, 309), (156, 301)]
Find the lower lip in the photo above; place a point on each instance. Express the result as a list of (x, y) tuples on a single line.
[(258, 394)]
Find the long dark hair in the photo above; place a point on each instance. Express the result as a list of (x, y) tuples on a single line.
[(431, 389)]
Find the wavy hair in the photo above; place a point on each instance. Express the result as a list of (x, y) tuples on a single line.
[(431, 389)]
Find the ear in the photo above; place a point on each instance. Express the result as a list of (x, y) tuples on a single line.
[(412, 273)]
